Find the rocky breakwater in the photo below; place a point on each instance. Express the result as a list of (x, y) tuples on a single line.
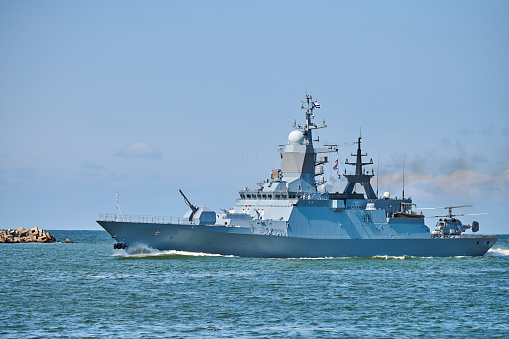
[(22, 235)]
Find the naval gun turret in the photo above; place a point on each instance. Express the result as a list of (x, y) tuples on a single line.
[(198, 215)]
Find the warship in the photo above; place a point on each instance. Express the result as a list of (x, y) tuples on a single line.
[(292, 215)]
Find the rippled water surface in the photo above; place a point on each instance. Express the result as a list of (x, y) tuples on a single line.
[(87, 289)]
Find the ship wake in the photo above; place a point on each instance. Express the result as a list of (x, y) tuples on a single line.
[(145, 251), (497, 252)]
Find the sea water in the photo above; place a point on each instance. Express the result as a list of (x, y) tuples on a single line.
[(88, 289)]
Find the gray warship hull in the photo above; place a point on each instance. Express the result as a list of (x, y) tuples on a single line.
[(241, 242)]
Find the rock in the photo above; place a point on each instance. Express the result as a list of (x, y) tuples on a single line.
[(21, 235), (50, 238), (67, 241)]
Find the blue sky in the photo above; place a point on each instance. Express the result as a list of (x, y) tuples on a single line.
[(144, 98)]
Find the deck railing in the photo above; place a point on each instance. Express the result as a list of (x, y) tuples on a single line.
[(145, 219)]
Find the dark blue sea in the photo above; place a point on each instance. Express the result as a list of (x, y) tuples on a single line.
[(89, 290)]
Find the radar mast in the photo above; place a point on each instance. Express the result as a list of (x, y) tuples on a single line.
[(309, 105), (359, 177)]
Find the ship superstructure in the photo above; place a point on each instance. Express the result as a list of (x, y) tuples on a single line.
[(291, 214)]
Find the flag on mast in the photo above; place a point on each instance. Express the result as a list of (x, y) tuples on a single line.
[(336, 164)]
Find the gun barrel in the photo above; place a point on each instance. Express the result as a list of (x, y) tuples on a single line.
[(188, 203)]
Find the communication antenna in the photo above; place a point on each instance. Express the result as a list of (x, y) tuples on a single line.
[(403, 175), (119, 212), (377, 172), (256, 164)]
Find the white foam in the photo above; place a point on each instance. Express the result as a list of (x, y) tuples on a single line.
[(195, 254), (390, 257), (495, 252), (142, 250), (305, 258)]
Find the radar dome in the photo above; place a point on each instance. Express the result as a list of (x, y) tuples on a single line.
[(296, 137)]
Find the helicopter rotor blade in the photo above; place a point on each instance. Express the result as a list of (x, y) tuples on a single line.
[(453, 215), (445, 208), (458, 206)]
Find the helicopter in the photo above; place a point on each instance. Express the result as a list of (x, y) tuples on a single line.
[(449, 225)]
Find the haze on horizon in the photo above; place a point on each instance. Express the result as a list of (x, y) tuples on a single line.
[(145, 98)]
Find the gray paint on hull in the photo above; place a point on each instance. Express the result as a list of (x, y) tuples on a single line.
[(241, 242)]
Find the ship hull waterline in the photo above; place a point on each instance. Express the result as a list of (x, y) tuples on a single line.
[(239, 241)]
